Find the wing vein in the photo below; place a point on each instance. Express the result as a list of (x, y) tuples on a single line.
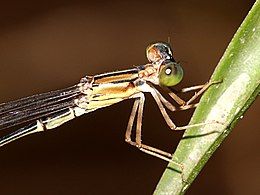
[(37, 106)]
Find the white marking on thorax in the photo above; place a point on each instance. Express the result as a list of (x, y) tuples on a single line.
[(60, 119), (79, 111)]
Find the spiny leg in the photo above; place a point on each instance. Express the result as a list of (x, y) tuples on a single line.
[(188, 89), (129, 132), (166, 116), (138, 139), (202, 90), (138, 132), (131, 121), (181, 102), (171, 107), (138, 104), (176, 98), (149, 149), (196, 87)]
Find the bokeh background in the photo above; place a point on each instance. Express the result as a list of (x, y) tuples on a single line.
[(48, 45)]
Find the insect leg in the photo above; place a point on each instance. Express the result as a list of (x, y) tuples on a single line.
[(138, 109), (166, 116), (202, 90)]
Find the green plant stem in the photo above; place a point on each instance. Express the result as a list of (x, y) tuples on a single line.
[(239, 70)]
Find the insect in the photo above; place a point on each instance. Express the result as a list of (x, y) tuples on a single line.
[(52, 109)]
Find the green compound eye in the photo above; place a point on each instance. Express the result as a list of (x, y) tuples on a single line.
[(170, 74)]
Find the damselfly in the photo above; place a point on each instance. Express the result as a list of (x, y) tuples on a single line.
[(52, 109)]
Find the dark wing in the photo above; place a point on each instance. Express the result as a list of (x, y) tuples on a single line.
[(37, 106)]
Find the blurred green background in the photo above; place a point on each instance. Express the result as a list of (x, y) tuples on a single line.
[(48, 45)]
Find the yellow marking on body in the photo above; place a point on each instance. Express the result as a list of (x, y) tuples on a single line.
[(103, 103), (113, 78), (109, 91), (107, 94), (79, 111), (39, 126), (59, 120)]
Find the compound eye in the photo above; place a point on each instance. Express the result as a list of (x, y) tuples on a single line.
[(170, 74), (158, 52)]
